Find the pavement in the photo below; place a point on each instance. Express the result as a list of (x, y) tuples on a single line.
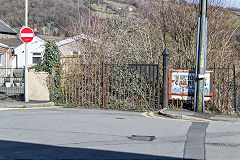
[(191, 115), (22, 104)]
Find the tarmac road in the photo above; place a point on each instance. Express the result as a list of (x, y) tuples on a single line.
[(68, 133)]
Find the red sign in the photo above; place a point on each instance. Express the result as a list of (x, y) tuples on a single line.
[(26, 35)]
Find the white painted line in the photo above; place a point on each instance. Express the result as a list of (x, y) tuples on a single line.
[(26, 34)]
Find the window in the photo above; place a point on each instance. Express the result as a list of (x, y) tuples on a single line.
[(36, 58)]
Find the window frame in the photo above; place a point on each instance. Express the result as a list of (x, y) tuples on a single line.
[(37, 55)]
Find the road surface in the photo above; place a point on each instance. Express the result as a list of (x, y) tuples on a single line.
[(68, 133)]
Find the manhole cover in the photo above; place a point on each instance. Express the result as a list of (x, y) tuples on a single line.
[(142, 138)]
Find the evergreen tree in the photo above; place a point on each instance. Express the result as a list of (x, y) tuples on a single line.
[(51, 64), (51, 58)]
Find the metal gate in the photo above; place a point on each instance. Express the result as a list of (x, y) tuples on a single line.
[(12, 83)]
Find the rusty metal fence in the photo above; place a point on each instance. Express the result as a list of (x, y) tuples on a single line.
[(122, 86), (134, 86)]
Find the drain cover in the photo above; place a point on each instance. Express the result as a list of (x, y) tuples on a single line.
[(142, 138)]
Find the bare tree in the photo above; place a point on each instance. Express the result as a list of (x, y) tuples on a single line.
[(159, 25)]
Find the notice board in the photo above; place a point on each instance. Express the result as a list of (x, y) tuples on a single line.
[(182, 86)]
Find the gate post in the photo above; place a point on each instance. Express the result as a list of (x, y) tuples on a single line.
[(165, 77)]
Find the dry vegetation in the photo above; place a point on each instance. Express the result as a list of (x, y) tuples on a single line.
[(160, 25)]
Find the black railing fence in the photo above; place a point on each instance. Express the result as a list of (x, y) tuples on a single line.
[(136, 86), (123, 86), (224, 88)]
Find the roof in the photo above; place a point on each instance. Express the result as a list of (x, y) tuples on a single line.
[(5, 29), (3, 45), (76, 38), (52, 38), (10, 42)]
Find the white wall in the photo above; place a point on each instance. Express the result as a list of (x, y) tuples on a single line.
[(36, 46)]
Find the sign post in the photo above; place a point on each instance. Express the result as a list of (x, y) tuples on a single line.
[(26, 35), (201, 57)]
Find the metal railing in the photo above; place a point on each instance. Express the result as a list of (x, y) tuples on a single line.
[(123, 86), (12, 83), (136, 86)]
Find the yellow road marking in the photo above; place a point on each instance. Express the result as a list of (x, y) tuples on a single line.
[(145, 115)]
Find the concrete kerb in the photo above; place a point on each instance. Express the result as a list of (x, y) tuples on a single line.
[(46, 104), (180, 116), (27, 105), (175, 116)]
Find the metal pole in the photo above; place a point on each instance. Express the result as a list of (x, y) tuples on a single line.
[(26, 56), (234, 89), (165, 78), (201, 58)]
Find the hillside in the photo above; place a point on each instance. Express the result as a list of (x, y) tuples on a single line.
[(52, 16)]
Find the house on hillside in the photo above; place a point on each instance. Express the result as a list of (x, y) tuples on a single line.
[(8, 40), (35, 53), (35, 50), (6, 60), (7, 51), (74, 46)]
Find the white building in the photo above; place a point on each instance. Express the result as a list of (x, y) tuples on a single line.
[(74, 45), (35, 53)]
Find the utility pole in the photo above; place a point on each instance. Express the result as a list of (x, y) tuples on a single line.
[(26, 56), (201, 58)]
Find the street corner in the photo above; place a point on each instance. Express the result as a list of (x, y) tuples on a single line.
[(176, 117), (155, 115)]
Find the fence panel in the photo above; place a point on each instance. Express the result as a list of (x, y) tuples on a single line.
[(224, 88), (121, 86)]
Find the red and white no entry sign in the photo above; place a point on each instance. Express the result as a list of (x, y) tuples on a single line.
[(26, 34)]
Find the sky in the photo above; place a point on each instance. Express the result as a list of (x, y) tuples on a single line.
[(234, 3), (224, 3)]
